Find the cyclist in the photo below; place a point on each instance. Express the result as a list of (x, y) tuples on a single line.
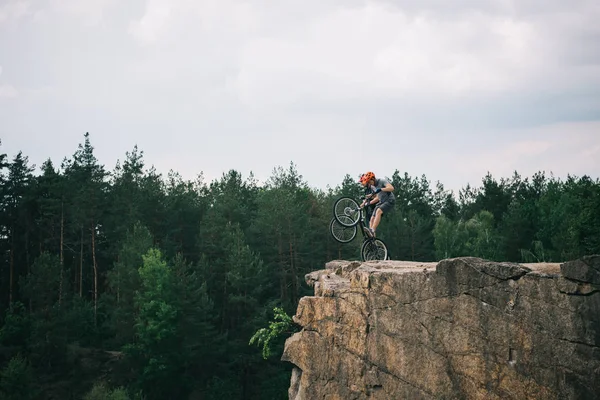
[(384, 198), (369, 191)]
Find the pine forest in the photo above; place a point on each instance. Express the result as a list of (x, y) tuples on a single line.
[(126, 283)]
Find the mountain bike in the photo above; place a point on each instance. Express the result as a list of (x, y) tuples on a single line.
[(348, 218)]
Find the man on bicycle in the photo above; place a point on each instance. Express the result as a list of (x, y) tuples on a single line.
[(384, 198), (369, 191)]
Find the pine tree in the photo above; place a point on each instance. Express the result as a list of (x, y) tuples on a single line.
[(19, 220), (123, 281), (88, 178)]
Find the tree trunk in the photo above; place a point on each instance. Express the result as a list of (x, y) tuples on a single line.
[(95, 272), (224, 324), (118, 267), (62, 256), (293, 271), (27, 265), (282, 280), (291, 255), (27, 268), (12, 268), (412, 239), (81, 264)]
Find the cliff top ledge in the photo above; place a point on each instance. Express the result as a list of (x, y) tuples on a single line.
[(464, 328)]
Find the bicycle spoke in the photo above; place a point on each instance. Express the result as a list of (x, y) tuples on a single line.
[(344, 208), (341, 233), (374, 249)]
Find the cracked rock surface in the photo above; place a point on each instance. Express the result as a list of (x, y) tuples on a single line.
[(463, 328)]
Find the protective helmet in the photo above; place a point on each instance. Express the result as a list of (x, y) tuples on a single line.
[(367, 177)]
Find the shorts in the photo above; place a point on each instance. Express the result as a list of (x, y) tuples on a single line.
[(386, 206)]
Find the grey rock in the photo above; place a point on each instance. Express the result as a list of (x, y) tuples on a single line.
[(586, 269), (463, 328)]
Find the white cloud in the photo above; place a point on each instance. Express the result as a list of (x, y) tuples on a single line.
[(189, 21), (8, 91), (89, 13), (374, 51), (13, 10), (558, 148), (421, 85), (149, 28), (356, 51)]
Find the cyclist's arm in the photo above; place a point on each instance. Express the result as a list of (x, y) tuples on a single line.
[(386, 188)]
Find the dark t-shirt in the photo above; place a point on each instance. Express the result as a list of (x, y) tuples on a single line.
[(383, 196)]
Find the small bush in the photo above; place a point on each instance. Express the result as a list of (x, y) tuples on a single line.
[(16, 380), (102, 392), (265, 336)]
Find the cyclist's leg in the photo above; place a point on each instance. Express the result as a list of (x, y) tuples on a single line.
[(368, 214), (379, 211), (367, 219), (376, 218), (372, 222)]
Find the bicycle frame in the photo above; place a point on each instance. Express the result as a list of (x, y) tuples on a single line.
[(350, 211), (363, 224)]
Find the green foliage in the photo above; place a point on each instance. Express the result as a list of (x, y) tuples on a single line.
[(198, 340), (476, 237), (77, 316), (481, 236), (41, 285), (536, 254), (100, 391), (408, 229), (350, 187), (155, 325), (17, 380), (218, 389), (449, 238), (274, 381), (281, 324), (17, 325), (181, 273), (123, 281)]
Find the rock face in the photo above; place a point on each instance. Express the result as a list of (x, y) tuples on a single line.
[(463, 328)]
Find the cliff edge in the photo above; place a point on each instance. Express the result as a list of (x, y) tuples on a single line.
[(463, 328)]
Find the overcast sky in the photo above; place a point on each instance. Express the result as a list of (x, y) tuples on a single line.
[(446, 88)]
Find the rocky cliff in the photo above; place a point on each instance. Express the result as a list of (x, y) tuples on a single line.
[(463, 328)]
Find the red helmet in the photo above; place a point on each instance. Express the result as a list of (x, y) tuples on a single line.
[(365, 178)]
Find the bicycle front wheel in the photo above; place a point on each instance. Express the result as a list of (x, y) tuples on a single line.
[(341, 233), (347, 211), (373, 249)]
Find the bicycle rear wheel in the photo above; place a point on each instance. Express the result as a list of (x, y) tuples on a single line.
[(373, 249), (341, 233), (347, 211)]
